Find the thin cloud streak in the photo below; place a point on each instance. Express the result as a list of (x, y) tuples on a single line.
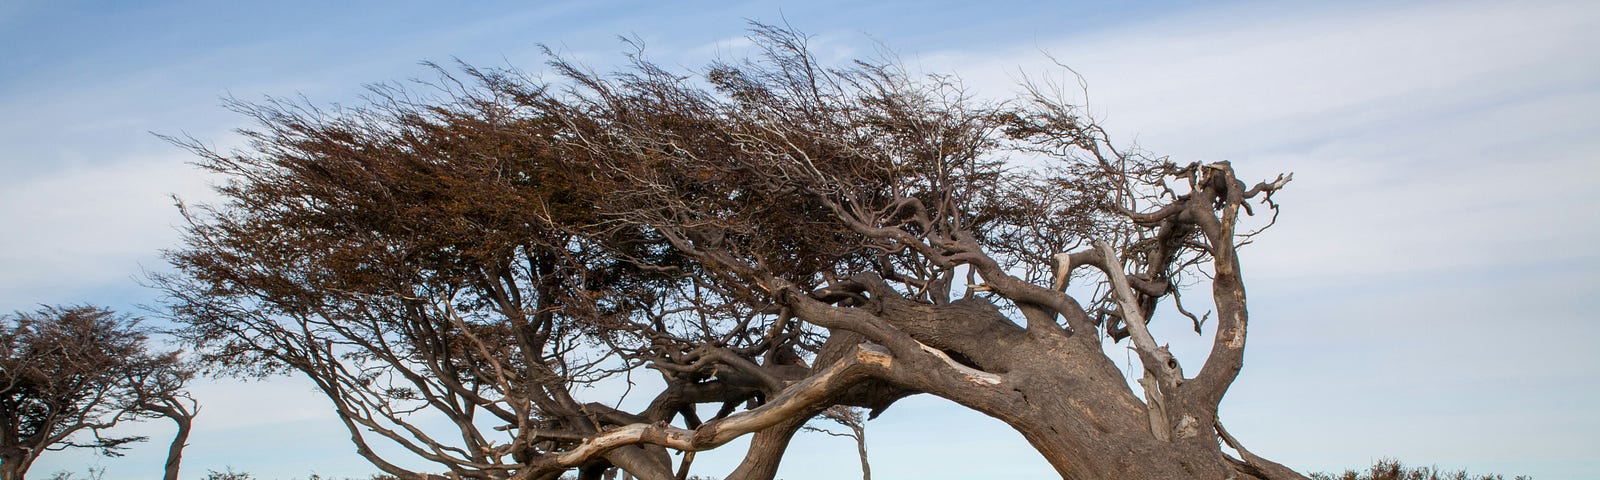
[(87, 227), (1471, 117)]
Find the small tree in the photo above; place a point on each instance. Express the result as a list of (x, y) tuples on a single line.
[(851, 418), (163, 396), (68, 371)]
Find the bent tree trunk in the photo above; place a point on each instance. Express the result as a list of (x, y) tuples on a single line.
[(1087, 428), (1068, 400), (1081, 417), (179, 440), (182, 409)]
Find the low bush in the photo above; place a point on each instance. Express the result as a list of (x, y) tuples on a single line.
[(1392, 469)]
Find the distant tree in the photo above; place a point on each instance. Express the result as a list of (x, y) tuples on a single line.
[(163, 395), (70, 371), (228, 474), (91, 473), (775, 236), (853, 419)]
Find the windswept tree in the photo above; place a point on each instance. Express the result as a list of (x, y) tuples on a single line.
[(70, 374), (853, 419), (774, 237), (163, 395)]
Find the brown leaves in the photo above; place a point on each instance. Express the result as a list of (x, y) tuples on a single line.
[(69, 369), (500, 240)]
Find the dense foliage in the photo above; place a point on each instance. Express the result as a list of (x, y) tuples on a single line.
[(773, 237)]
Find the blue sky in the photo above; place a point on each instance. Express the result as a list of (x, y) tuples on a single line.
[(1428, 294)]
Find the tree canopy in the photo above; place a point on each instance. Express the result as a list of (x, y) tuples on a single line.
[(70, 371), (772, 236)]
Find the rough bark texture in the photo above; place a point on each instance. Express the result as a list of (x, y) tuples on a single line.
[(766, 450), (13, 467)]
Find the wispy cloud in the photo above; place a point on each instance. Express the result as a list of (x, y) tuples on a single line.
[(89, 226), (1424, 137)]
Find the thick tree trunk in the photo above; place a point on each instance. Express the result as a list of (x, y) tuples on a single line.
[(14, 467), (766, 450), (1124, 456), (645, 462), (1064, 396), (1087, 423), (1060, 390)]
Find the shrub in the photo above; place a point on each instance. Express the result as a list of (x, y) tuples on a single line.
[(1392, 469)]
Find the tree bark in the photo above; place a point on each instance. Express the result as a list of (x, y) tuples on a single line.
[(1089, 425), (173, 407), (861, 450), (175, 450), (766, 450), (14, 467), (1067, 399)]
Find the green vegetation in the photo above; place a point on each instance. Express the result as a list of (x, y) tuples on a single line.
[(1392, 469)]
